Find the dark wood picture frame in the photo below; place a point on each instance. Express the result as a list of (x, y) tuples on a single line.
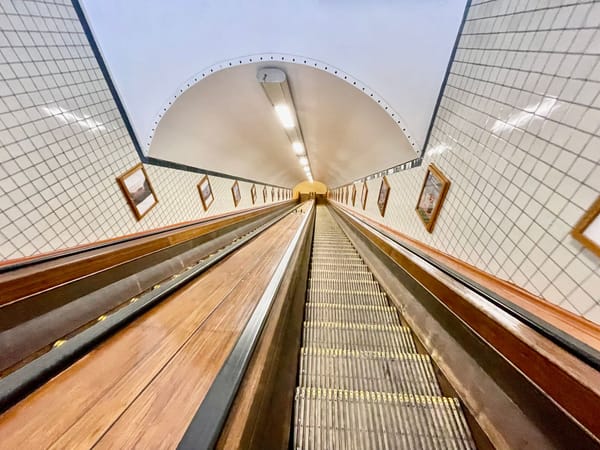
[(236, 193), (364, 194), (253, 193), (587, 229), (207, 195), (140, 196), (431, 198), (353, 195), (384, 194)]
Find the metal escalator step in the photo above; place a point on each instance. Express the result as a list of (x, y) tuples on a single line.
[(332, 259), (352, 285), (335, 418), (335, 312), (354, 336), (334, 251), (332, 266), (341, 275), (410, 373), (333, 248), (346, 297)]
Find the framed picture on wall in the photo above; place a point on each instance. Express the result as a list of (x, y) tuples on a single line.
[(253, 193), (587, 230), (384, 193), (353, 195), (272, 194), (433, 192), (138, 191), (264, 194), (237, 195), (206, 192), (364, 195)]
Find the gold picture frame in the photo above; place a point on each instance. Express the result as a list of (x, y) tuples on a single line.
[(253, 193), (138, 191), (587, 229), (235, 192), (432, 196), (206, 193), (384, 194), (364, 194)]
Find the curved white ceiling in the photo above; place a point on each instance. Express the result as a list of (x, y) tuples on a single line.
[(399, 49), (225, 123)]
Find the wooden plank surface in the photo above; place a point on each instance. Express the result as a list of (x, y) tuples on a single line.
[(143, 385)]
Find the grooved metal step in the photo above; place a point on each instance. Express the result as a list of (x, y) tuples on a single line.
[(337, 312), (401, 372), (318, 266), (343, 275), (347, 297), (358, 336), (362, 384), (335, 418), (344, 285), (335, 259)]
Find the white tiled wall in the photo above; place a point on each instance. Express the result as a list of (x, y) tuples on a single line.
[(517, 135), (63, 143)]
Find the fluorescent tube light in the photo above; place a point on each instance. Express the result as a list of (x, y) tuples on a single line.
[(285, 115), (303, 160), (298, 148)]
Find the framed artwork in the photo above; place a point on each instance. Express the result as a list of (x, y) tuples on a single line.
[(272, 194), (138, 191), (431, 198), (353, 195), (346, 194), (264, 194), (237, 195), (206, 192), (364, 195), (384, 193), (253, 193), (587, 230)]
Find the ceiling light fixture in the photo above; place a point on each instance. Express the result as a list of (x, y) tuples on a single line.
[(298, 147), (285, 116), (274, 83)]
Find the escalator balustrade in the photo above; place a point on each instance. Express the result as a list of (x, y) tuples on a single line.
[(362, 382)]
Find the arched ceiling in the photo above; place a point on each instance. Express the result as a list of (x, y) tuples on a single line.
[(225, 123), (398, 49)]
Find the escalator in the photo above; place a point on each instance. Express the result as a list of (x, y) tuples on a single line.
[(363, 383)]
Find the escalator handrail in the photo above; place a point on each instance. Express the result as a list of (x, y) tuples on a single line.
[(18, 384), (571, 344), (207, 424)]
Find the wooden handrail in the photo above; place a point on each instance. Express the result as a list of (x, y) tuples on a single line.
[(47, 274)]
